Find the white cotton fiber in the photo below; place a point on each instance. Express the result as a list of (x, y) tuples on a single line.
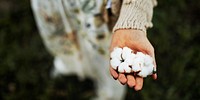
[(127, 69), (126, 61), (121, 67), (150, 68), (130, 58), (148, 60), (144, 72), (126, 52), (140, 55), (116, 53), (114, 62), (124, 68), (137, 64)]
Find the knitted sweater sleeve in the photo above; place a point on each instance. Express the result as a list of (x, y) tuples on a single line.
[(135, 14)]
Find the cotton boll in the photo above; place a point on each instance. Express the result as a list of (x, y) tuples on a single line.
[(115, 63), (150, 69), (124, 68), (140, 55), (126, 52), (136, 68), (116, 53), (126, 62), (144, 72), (137, 64), (121, 68), (127, 69), (148, 60), (139, 61), (130, 59)]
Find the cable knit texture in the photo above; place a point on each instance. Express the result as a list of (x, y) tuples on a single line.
[(135, 14)]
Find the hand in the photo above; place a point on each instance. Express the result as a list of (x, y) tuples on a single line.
[(137, 41)]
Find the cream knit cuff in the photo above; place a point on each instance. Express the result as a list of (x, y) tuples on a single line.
[(135, 14)]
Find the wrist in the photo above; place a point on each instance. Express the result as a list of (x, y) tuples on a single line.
[(129, 32)]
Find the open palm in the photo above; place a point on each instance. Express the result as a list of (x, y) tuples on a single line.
[(137, 41)]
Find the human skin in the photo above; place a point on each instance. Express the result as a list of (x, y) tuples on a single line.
[(137, 41)]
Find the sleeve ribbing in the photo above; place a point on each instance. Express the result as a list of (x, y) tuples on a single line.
[(135, 14)]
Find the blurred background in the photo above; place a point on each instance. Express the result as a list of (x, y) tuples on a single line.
[(25, 64)]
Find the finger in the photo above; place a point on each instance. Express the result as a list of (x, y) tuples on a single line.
[(114, 73), (154, 76), (130, 81), (139, 83), (122, 79)]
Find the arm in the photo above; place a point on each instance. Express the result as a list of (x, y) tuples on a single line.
[(130, 30)]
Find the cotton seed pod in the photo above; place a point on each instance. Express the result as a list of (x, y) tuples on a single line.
[(114, 62), (116, 53)]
